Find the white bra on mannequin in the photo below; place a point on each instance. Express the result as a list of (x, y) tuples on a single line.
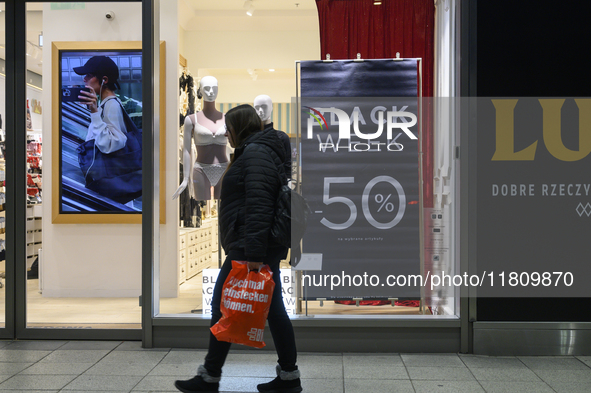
[(204, 136)]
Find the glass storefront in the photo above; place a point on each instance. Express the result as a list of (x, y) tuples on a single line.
[(86, 249), (244, 71)]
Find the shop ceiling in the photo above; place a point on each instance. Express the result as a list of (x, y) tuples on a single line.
[(266, 15), (231, 5), (193, 15)]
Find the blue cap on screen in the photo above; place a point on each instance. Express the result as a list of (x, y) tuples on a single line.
[(102, 66)]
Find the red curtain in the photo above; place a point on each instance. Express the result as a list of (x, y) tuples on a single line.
[(378, 32)]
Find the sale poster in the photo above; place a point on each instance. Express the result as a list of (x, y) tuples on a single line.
[(360, 174)]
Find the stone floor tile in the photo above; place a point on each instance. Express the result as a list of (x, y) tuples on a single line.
[(104, 391), (475, 361), (133, 357), (570, 386), (375, 371), (565, 375), (447, 387), (85, 383), (51, 368), (182, 357), (32, 391), (91, 345), (185, 371), (4, 343), (318, 366), (378, 386), (253, 369), (156, 383), (138, 369), (13, 368), (75, 356), (322, 385), (37, 382), (505, 374), (241, 384), (431, 360), (515, 387), (373, 360), (22, 356), (440, 373), (553, 363), (585, 359)]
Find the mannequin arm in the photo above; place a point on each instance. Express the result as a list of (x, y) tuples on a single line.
[(187, 164)]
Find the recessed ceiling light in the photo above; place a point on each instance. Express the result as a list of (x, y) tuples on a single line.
[(377, 3), (271, 69)]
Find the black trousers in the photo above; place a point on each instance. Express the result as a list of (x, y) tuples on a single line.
[(279, 322)]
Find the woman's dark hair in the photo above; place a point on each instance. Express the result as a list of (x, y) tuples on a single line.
[(244, 120)]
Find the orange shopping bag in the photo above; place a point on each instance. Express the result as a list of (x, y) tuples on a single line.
[(246, 298)]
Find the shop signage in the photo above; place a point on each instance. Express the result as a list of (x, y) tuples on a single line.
[(552, 131), (360, 175), (533, 196), (345, 121)]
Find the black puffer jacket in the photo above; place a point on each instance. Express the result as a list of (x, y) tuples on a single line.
[(249, 191)]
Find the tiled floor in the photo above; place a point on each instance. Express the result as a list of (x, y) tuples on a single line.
[(105, 366)]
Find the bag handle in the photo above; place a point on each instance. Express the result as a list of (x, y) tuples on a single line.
[(129, 124)]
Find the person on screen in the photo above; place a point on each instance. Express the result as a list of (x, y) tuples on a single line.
[(107, 125), (111, 156)]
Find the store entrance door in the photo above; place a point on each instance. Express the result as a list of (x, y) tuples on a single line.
[(73, 251)]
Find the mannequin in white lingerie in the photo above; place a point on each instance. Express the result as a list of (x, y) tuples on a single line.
[(207, 130)]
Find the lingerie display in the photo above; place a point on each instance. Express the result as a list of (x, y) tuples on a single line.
[(203, 136), (213, 172)]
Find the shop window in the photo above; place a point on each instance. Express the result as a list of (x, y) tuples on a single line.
[(243, 70)]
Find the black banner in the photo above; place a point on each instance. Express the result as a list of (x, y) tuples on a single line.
[(360, 174)]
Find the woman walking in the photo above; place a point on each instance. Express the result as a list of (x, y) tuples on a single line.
[(249, 191)]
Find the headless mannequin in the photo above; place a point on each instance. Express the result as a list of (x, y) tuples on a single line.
[(264, 107), (207, 130)]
